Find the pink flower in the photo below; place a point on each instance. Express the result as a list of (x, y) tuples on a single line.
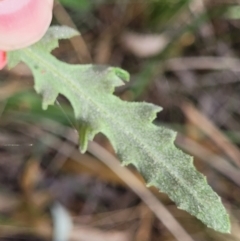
[(3, 59), (22, 23)]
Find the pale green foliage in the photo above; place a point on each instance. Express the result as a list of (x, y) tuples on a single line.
[(233, 12), (127, 125)]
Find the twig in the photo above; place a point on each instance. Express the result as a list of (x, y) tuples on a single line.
[(203, 63)]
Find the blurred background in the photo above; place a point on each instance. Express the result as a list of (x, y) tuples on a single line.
[(182, 55)]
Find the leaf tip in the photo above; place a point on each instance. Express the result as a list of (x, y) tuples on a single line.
[(60, 32), (86, 133), (122, 74), (83, 138), (44, 105)]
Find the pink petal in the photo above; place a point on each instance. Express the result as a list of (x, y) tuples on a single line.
[(23, 22), (3, 59)]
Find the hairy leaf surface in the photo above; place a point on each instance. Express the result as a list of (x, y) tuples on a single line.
[(128, 125)]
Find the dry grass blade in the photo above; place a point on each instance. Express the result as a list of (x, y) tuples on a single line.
[(107, 218), (145, 229), (79, 233), (207, 127), (203, 63), (82, 233)]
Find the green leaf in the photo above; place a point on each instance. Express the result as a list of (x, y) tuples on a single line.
[(127, 125), (77, 4), (233, 12)]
